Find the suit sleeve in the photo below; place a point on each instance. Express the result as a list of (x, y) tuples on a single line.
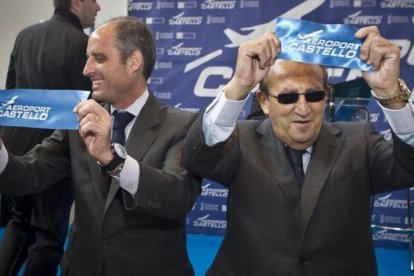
[(218, 162), (170, 191), (391, 163), (45, 165)]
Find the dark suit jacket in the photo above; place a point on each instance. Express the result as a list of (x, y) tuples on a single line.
[(115, 235), (273, 228)]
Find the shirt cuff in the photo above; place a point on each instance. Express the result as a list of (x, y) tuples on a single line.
[(402, 120), (129, 177), (4, 157), (220, 118)]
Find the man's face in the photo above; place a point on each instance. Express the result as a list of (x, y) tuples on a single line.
[(112, 80), (296, 124), (88, 9)]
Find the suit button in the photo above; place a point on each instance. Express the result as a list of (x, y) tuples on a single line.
[(304, 261), (105, 244), (196, 144)]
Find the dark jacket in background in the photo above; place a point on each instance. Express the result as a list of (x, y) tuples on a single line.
[(47, 55)]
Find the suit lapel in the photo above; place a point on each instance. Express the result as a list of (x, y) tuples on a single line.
[(276, 158), (139, 140), (324, 154)]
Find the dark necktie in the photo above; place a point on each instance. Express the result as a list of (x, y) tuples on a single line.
[(297, 164), (121, 120)]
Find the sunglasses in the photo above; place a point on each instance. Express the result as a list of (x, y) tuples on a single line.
[(290, 98)]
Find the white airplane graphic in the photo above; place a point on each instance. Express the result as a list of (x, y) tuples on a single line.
[(313, 34), (9, 102), (384, 197), (237, 38), (354, 14), (297, 12), (203, 218)]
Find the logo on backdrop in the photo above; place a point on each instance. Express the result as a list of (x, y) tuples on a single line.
[(218, 5), (179, 50), (219, 192), (359, 19), (397, 4), (179, 19), (390, 236), (388, 202), (212, 223)]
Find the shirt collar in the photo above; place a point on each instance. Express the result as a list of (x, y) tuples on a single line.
[(136, 107), (307, 150), (71, 17)]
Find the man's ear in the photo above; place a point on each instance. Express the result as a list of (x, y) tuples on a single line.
[(74, 6), (263, 101), (135, 61)]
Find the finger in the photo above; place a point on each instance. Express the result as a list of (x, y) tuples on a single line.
[(378, 49), (366, 46), (265, 50), (92, 107), (367, 34), (273, 44), (89, 119), (364, 32), (382, 50)]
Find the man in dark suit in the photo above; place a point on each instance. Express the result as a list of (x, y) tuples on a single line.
[(131, 200), (277, 224), (48, 55)]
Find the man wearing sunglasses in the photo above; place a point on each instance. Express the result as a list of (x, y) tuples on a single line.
[(311, 218)]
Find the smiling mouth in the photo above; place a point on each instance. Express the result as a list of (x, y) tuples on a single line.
[(302, 123), (96, 83)]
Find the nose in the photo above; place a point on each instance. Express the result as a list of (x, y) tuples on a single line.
[(302, 105), (88, 69), (98, 7)]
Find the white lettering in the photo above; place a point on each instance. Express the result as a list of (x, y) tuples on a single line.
[(201, 90)]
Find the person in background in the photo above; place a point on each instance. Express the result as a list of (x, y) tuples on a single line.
[(131, 192), (300, 188), (47, 55)]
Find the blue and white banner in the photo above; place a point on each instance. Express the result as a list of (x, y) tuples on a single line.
[(36, 108), (332, 45), (197, 43)]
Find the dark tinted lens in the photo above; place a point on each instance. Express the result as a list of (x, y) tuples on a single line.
[(288, 98), (315, 96)]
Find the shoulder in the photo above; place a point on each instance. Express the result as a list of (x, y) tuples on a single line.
[(347, 129), (177, 115), (347, 126), (169, 112), (28, 31)]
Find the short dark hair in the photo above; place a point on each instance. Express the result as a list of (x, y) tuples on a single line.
[(61, 4), (131, 34), (265, 89)]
